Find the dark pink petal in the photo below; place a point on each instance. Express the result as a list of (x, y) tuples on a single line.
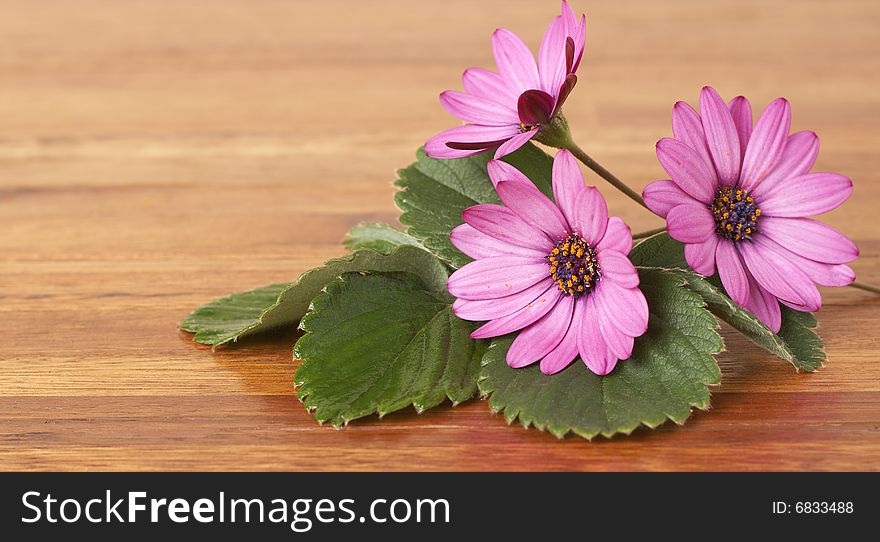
[(591, 344), (778, 274), (617, 236), (471, 108), (514, 60), (701, 256), (662, 196), (741, 112), (807, 195), (477, 244), (488, 84), (617, 268), (810, 238), (522, 317), (503, 224), (591, 215), (798, 157), (533, 207), (764, 305), (690, 223), (625, 308), (551, 57), (687, 169), (514, 143), (535, 107), (490, 309), (767, 143), (560, 357), (537, 340), (568, 182), (731, 271), (564, 90), (502, 171), (721, 136), (478, 137), (495, 277), (687, 128)]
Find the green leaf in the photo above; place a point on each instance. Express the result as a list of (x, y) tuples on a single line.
[(379, 237), (795, 342), (243, 314), (378, 343), (659, 250), (435, 192), (669, 373)]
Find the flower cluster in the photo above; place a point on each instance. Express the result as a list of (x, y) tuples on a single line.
[(556, 271)]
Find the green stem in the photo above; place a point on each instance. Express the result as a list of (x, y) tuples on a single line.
[(866, 287), (647, 233), (604, 173)]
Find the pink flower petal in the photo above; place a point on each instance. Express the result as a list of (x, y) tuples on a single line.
[(617, 268), (591, 344), (721, 136), (798, 157), (687, 128), (533, 207), (514, 143), (778, 274), (821, 273), (478, 245), (662, 196), (575, 29), (764, 305), (515, 62), (477, 137), (490, 309), (496, 277), (732, 272), (767, 143), (591, 215), (806, 195), (471, 108), (624, 308), (551, 57), (561, 357), (701, 256), (619, 344), (503, 224), (741, 112), (502, 171), (617, 236), (690, 223), (810, 238), (568, 182), (521, 318), (488, 84), (537, 340), (687, 169)]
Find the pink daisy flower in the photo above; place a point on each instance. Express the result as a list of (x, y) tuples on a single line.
[(557, 271), (505, 110), (739, 199)]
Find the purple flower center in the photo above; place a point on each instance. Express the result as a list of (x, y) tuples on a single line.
[(736, 214), (573, 266)]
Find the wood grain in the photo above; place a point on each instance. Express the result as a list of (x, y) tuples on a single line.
[(154, 155)]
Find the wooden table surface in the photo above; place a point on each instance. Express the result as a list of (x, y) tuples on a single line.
[(155, 155)]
